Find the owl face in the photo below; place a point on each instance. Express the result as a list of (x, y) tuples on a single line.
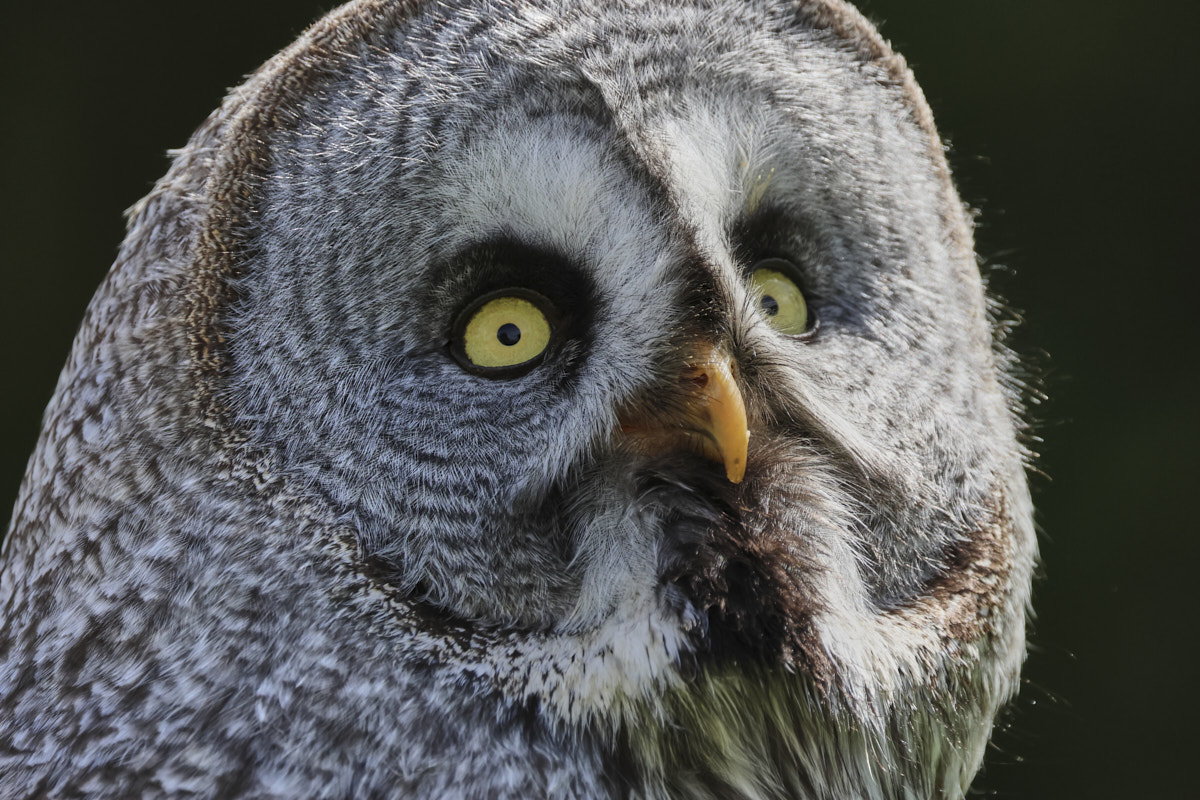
[(601, 393), (686, 330)]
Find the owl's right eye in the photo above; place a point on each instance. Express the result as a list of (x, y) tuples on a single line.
[(503, 334)]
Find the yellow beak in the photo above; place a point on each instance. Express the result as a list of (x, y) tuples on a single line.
[(712, 420)]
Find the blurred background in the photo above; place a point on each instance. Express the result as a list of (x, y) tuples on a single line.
[(1068, 125)]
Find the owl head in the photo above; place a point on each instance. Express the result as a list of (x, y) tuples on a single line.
[(623, 369)]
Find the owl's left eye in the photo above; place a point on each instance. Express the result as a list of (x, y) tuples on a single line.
[(504, 333), (780, 298)]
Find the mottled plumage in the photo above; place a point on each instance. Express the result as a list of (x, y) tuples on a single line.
[(279, 539)]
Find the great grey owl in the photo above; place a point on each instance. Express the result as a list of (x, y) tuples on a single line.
[(531, 398)]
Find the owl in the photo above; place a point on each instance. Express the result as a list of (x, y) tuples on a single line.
[(531, 398)]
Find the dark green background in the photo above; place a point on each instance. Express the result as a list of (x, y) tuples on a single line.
[(1073, 127)]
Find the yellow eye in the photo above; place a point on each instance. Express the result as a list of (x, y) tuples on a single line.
[(780, 299), (504, 330)]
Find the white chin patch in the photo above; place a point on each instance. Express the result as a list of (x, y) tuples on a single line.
[(604, 674)]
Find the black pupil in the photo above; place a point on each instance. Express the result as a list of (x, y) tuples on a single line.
[(770, 305), (508, 334)]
